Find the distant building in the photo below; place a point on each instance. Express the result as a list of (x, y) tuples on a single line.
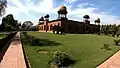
[(69, 26)]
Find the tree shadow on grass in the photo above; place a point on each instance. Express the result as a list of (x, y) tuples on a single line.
[(39, 42)]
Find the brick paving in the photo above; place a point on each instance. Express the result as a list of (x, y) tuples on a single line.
[(112, 62), (14, 57)]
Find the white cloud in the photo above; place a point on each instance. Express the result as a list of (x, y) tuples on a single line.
[(22, 11), (105, 16), (82, 5), (70, 1), (44, 6)]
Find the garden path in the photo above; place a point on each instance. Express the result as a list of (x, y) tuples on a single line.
[(112, 62), (14, 57)]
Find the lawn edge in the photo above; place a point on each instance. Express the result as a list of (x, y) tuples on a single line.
[(25, 56), (107, 58)]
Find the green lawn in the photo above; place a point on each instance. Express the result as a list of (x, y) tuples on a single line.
[(2, 36), (85, 48)]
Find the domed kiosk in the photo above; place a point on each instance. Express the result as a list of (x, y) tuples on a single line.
[(62, 12)]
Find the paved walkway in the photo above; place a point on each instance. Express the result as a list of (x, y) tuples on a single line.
[(14, 57), (112, 62)]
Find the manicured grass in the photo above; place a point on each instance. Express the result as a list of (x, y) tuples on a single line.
[(85, 48), (2, 36)]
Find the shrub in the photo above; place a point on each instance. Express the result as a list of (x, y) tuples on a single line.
[(118, 35), (6, 39), (24, 33), (117, 41), (106, 47), (98, 33), (113, 35), (61, 59)]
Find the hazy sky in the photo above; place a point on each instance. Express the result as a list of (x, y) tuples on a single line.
[(107, 10)]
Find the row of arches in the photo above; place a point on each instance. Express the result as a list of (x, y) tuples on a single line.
[(48, 27)]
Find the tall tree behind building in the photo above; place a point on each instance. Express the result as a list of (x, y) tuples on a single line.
[(27, 25)]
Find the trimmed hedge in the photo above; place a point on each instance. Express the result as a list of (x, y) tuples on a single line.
[(6, 39)]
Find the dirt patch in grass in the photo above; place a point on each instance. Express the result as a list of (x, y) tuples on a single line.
[(44, 51)]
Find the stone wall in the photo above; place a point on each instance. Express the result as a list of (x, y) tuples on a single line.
[(73, 26), (69, 26)]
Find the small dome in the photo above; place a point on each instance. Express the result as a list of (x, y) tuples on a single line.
[(86, 16), (97, 20), (41, 19), (46, 16), (63, 8)]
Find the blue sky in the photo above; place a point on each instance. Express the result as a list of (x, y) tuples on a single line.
[(107, 10)]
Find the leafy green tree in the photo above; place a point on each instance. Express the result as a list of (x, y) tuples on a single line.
[(35, 28), (19, 25), (111, 29), (8, 23), (27, 25), (114, 29), (104, 29)]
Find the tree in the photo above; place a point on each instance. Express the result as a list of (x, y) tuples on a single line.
[(35, 28), (104, 29), (3, 23), (8, 23), (114, 30), (3, 6), (111, 29), (27, 25), (118, 32)]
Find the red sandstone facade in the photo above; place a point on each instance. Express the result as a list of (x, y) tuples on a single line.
[(69, 26)]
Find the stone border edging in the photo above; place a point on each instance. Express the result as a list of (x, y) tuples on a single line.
[(25, 56), (26, 59), (106, 59), (5, 44), (6, 39)]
